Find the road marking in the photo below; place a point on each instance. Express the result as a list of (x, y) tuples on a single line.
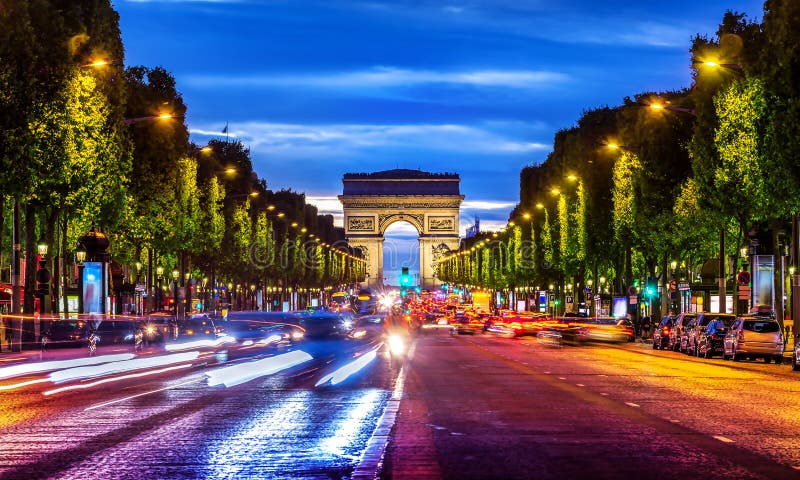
[(723, 439), (675, 421), (631, 404), (547, 373), (580, 384), (562, 378), (604, 394)]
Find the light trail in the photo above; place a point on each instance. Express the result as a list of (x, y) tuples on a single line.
[(114, 379), (341, 374), (238, 374), (28, 368), (119, 400), (118, 367)]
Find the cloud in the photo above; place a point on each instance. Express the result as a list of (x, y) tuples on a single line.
[(292, 141), (385, 76)]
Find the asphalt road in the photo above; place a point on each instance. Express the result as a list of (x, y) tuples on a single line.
[(175, 421), (485, 407)]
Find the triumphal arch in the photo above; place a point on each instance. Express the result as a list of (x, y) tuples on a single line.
[(428, 201)]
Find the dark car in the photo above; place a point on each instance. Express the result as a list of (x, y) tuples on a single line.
[(698, 326), (662, 331), (68, 333), (262, 327), (197, 327), (111, 332), (712, 340)]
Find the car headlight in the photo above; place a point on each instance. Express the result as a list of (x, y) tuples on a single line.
[(347, 324), (396, 344), (128, 337), (297, 335)]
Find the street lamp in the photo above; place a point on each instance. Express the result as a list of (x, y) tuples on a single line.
[(159, 275), (42, 278), (175, 276)]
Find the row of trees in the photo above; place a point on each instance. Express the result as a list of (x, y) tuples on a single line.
[(665, 176), (87, 141)]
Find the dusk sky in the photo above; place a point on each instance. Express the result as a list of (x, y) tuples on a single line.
[(320, 88)]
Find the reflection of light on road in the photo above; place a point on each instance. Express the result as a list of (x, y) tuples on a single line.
[(124, 366), (348, 425), (259, 441), (206, 343), (23, 384), (341, 374), (114, 379), (119, 400), (28, 368), (237, 374)]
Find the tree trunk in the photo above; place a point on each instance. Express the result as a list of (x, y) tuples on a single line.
[(722, 290), (30, 258), (66, 277)]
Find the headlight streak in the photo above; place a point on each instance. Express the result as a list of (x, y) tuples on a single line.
[(28, 368), (341, 374), (245, 372), (124, 366), (171, 347), (23, 384), (114, 379)]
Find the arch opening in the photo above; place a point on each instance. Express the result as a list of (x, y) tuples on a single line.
[(400, 249)]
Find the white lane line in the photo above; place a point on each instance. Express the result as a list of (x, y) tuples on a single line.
[(371, 460), (580, 384), (631, 404), (604, 394), (675, 420), (562, 378), (723, 439), (547, 373)]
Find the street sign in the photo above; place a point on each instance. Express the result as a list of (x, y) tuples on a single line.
[(673, 285), (633, 299), (588, 289), (632, 291), (684, 287), (743, 278), (744, 292), (569, 299)]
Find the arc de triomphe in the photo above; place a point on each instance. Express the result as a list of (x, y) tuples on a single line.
[(428, 201)]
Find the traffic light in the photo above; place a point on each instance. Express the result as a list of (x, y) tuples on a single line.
[(651, 288), (405, 282), (405, 278)]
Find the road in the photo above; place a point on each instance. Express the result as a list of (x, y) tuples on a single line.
[(466, 407), (173, 423), (513, 408)]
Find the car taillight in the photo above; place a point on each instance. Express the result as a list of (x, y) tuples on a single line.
[(740, 336), (665, 331)]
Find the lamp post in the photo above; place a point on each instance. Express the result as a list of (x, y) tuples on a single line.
[(160, 292), (175, 276)]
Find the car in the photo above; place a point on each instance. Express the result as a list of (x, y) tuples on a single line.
[(463, 326), (67, 333), (198, 327), (752, 337), (676, 335), (698, 326), (712, 339), (111, 332), (257, 326), (662, 331), (796, 353)]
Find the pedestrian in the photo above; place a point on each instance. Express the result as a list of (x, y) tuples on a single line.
[(645, 327)]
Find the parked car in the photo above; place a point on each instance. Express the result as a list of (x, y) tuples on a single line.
[(663, 329), (698, 326), (753, 337), (676, 335), (711, 340), (796, 353)]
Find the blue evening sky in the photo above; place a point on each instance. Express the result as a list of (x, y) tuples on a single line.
[(477, 87)]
